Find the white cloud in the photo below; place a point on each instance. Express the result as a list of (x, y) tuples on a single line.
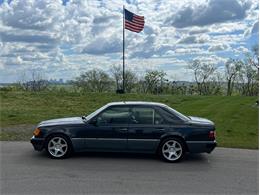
[(219, 47), (241, 50), (212, 59), (255, 28), (188, 51), (207, 13), (194, 39), (63, 40), (103, 45)]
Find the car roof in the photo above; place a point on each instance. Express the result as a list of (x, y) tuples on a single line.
[(135, 103)]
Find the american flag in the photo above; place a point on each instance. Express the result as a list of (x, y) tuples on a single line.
[(133, 22)]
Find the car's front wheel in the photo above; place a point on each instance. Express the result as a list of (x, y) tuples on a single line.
[(58, 146), (172, 150)]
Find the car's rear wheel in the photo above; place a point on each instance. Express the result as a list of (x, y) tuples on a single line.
[(172, 150), (58, 146)]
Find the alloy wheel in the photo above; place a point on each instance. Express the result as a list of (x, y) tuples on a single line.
[(172, 150), (57, 147)]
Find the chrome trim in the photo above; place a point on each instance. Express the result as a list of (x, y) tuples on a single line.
[(115, 139), (76, 138), (87, 138), (201, 142), (143, 139), (36, 138), (123, 129)]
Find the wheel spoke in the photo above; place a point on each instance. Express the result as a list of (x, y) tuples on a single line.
[(170, 155), (174, 154), (63, 149), (55, 152), (168, 145), (177, 149)]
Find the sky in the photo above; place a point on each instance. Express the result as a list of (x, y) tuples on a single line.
[(62, 39)]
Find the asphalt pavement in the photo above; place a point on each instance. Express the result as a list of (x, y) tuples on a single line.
[(224, 171)]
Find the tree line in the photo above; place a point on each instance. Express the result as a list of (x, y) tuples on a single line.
[(239, 77)]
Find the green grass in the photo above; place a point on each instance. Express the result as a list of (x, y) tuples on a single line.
[(236, 117)]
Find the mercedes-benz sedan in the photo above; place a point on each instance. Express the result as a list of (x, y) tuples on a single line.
[(143, 127)]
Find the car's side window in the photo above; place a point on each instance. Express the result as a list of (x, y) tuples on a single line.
[(158, 119), (114, 115), (145, 115), (169, 118)]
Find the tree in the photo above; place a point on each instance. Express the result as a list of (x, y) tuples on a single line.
[(254, 58), (154, 81), (94, 81), (249, 79), (33, 81), (202, 73), (130, 78), (232, 69), (117, 76), (249, 73)]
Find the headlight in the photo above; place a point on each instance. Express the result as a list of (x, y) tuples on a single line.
[(36, 132)]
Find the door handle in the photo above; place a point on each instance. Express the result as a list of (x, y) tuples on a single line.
[(160, 129), (123, 129)]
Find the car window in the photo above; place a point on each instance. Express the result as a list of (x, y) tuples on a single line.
[(177, 114), (114, 115), (142, 115), (169, 118), (158, 119)]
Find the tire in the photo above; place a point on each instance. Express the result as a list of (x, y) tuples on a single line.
[(172, 150), (58, 146)]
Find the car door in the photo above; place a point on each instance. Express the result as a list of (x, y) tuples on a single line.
[(109, 129), (145, 128)]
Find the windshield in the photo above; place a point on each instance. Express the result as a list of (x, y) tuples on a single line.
[(94, 113), (178, 114)]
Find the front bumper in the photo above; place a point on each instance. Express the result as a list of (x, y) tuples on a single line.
[(38, 143)]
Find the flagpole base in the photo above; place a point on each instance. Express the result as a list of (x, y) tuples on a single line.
[(120, 91)]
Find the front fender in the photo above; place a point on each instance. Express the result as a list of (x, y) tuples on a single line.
[(56, 130)]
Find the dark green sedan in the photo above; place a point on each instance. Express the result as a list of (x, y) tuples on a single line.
[(143, 127)]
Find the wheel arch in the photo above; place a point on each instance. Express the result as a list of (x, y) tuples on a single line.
[(172, 136), (52, 134)]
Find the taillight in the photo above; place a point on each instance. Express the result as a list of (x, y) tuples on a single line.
[(212, 134)]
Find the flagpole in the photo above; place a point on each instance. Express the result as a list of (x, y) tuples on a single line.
[(123, 49)]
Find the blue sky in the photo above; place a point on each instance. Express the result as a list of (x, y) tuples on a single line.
[(62, 39)]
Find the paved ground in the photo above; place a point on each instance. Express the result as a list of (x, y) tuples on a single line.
[(225, 171)]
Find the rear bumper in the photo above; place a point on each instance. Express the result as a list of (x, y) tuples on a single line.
[(201, 146), (211, 146), (38, 143)]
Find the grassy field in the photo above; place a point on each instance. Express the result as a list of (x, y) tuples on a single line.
[(236, 118)]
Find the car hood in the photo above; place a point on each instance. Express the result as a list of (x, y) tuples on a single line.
[(62, 121), (199, 120)]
